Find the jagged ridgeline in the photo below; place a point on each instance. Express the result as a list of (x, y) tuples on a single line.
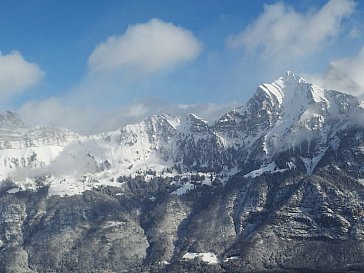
[(275, 185)]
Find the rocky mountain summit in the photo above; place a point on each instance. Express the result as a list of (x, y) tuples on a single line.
[(276, 185)]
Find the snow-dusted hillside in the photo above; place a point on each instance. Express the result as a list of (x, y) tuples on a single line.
[(289, 115)]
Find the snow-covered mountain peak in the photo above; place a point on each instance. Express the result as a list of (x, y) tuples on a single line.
[(284, 113), (290, 76), (292, 88), (152, 129), (190, 122)]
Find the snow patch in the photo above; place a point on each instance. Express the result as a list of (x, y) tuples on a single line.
[(291, 165), (361, 149), (184, 189), (270, 168), (361, 104), (232, 258), (112, 224), (361, 181), (206, 257), (13, 190), (311, 163)]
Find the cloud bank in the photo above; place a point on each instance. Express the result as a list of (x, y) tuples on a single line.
[(97, 104), (16, 74), (281, 33), (344, 75), (147, 48), (91, 120)]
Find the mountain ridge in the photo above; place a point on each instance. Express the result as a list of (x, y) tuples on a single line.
[(276, 185), (279, 116)]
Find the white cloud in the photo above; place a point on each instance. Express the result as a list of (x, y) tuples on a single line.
[(149, 106), (281, 33), (16, 74), (148, 47), (55, 113), (91, 120), (344, 75), (355, 32)]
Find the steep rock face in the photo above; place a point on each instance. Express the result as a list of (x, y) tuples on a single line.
[(308, 230), (13, 256), (81, 234), (163, 222)]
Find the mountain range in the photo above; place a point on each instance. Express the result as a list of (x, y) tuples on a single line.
[(275, 185)]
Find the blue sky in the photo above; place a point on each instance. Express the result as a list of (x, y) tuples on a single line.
[(135, 57)]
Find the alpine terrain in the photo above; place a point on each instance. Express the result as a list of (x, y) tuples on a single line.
[(276, 185)]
